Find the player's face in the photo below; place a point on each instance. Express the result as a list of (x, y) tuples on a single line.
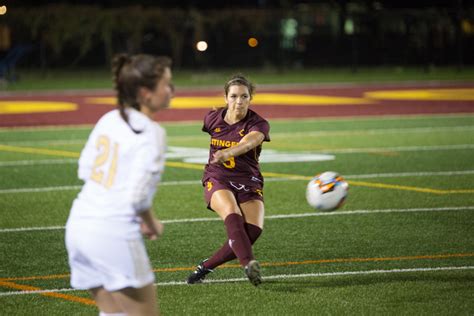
[(160, 98), (238, 99)]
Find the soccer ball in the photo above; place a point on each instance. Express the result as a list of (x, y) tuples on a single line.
[(326, 191)]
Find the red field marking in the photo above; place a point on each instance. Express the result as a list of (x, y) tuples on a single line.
[(88, 113)]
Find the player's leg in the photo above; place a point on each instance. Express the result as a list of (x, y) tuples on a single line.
[(223, 202), (137, 301), (105, 302), (253, 212)]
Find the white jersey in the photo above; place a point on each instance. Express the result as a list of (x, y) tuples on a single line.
[(121, 168)]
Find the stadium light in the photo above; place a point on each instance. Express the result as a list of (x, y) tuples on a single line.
[(253, 42), (3, 10), (201, 46)]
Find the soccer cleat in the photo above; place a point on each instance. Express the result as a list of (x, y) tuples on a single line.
[(199, 274), (252, 270)]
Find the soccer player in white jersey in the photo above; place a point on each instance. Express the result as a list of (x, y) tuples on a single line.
[(121, 165)]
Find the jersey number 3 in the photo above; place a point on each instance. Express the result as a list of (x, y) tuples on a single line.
[(105, 178), (229, 163)]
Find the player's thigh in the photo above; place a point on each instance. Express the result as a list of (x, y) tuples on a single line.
[(254, 212), (223, 202), (137, 301), (105, 301)]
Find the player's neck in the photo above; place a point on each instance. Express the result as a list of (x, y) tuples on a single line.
[(232, 118), (145, 110)]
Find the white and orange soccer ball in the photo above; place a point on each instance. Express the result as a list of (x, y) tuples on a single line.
[(327, 191)]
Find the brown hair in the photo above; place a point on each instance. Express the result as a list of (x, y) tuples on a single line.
[(131, 72), (240, 80)]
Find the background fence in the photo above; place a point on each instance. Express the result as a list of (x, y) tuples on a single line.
[(329, 34)]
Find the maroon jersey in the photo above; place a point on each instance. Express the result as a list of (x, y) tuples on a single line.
[(243, 169)]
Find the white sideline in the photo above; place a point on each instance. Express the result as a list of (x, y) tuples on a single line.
[(270, 277), (363, 150), (270, 217), (377, 131), (269, 179), (37, 162), (374, 131), (355, 150)]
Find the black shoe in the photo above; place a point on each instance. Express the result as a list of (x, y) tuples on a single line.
[(199, 274), (252, 270)]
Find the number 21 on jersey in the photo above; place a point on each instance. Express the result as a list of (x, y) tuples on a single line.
[(107, 153)]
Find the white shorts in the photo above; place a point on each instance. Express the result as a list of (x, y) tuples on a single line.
[(114, 263)]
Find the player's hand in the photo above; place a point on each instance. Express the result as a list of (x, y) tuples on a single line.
[(220, 156), (153, 232)]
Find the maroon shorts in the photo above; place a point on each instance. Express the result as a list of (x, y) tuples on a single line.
[(243, 193)]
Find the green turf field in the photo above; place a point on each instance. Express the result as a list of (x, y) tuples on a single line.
[(100, 78), (402, 244)]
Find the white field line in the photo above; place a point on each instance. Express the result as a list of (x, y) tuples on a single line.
[(78, 187), (37, 162), (198, 182), (362, 150), (429, 129), (281, 216), (46, 142), (270, 277), (359, 150), (409, 174), (44, 189), (376, 131), (389, 117)]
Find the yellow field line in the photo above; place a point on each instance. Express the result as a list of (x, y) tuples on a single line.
[(375, 184), (183, 165), (66, 297), (286, 176), (407, 188), (268, 264), (39, 151)]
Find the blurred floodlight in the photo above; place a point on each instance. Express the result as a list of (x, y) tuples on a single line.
[(349, 26), (253, 42), (201, 46), (3, 10)]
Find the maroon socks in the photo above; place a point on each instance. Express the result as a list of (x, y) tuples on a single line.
[(239, 245)]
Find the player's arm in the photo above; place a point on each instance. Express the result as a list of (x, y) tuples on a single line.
[(247, 143), (146, 171)]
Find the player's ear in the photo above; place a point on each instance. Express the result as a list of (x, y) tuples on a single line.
[(144, 94)]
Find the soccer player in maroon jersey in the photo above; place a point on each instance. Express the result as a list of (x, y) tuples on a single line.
[(232, 180)]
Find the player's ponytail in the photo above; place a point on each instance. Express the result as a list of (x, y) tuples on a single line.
[(117, 64)]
